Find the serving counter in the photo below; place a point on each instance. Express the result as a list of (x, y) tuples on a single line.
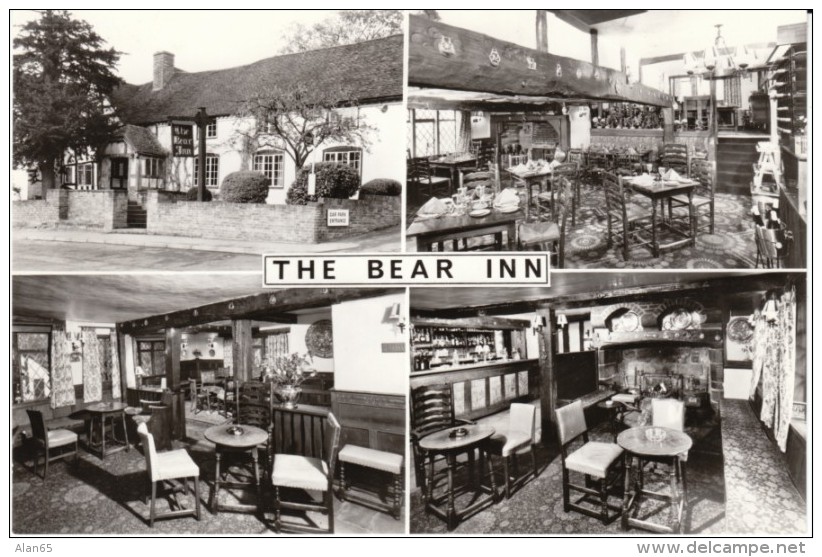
[(484, 388)]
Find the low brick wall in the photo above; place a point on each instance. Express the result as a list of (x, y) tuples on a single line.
[(303, 224), (369, 212), (168, 215), (31, 213), (103, 209)]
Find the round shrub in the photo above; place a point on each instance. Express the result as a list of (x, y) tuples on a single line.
[(191, 195), (334, 180), (381, 186), (244, 186)]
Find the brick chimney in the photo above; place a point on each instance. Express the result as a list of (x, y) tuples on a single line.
[(163, 69)]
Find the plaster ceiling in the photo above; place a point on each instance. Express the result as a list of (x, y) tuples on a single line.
[(117, 298)]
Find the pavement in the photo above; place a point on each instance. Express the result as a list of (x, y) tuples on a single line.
[(386, 240)]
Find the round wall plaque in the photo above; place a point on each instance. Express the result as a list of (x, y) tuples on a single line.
[(319, 339)]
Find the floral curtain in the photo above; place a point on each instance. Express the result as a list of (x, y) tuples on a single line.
[(275, 345), (775, 356), (92, 368), (62, 384), (115, 367), (758, 350)]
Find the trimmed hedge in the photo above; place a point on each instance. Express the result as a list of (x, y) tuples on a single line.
[(381, 186), (244, 186), (337, 181), (191, 195)]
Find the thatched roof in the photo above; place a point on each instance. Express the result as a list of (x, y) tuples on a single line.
[(142, 141), (371, 72)]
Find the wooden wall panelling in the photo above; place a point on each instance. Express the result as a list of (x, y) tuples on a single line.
[(372, 420)]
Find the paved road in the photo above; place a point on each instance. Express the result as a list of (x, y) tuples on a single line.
[(34, 256)]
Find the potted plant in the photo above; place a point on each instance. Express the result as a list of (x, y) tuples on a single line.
[(288, 373)]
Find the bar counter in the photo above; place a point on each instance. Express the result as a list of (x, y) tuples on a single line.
[(483, 388)]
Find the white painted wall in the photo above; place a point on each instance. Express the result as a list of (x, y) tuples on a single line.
[(296, 339), (382, 156), (360, 329)]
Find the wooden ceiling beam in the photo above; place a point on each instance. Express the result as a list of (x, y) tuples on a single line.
[(446, 57), (267, 305)]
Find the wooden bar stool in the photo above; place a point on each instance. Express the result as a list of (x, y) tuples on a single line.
[(377, 460)]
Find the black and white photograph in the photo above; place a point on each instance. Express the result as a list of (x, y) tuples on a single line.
[(205, 405), (606, 405), (206, 142), (410, 273), (627, 139)]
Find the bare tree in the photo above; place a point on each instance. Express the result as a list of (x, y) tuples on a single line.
[(300, 118), (348, 27)]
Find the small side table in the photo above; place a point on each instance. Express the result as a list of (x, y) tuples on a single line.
[(615, 410), (102, 413), (442, 442), (637, 445), (226, 443)]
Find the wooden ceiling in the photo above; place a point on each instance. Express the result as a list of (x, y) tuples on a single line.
[(584, 20), (567, 285), (117, 298)]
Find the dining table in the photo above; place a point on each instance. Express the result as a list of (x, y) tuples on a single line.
[(451, 442), (660, 444), (658, 191), (453, 163), (235, 440), (530, 178), (437, 231)]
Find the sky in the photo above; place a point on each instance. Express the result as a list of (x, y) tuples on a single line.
[(200, 40)]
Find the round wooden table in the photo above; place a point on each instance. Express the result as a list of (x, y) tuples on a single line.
[(226, 442), (448, 444), (102, 412), (640, 444)]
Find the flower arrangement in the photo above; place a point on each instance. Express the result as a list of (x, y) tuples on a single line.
[(289, 370)]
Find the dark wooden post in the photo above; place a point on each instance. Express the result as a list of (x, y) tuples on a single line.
[(547, 377), (121, 356), (667, 125), (542, 30), (202, 123), (242, 350), (623, 65), (594, 47)]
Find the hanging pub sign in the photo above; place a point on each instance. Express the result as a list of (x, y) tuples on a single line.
[(182, 140)]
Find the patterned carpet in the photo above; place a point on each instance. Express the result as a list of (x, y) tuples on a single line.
[(106, 497), (730, 247), (756, 477), (537, 508)]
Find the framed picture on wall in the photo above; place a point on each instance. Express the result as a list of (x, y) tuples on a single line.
[(738, 338)]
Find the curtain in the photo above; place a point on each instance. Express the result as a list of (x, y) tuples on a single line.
[(92, 372), (778, 366), (275, 345), (115, 367), (463, 131), (62, 384), (787, 333), (759, 351)]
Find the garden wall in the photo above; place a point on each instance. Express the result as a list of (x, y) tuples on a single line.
[(104, 209)]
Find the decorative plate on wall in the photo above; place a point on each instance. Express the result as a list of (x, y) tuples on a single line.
[(629, 322), (319, 339), (739, 330)]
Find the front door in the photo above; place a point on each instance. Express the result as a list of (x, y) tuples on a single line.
[(119, 173)]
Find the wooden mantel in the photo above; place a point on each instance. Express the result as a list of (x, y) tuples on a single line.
[(471, 68)]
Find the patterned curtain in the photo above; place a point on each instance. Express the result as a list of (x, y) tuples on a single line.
[(92, 372), (115, 367), (787, 333), (62, 384), (276, 345), (759, 350), (778, 368)]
